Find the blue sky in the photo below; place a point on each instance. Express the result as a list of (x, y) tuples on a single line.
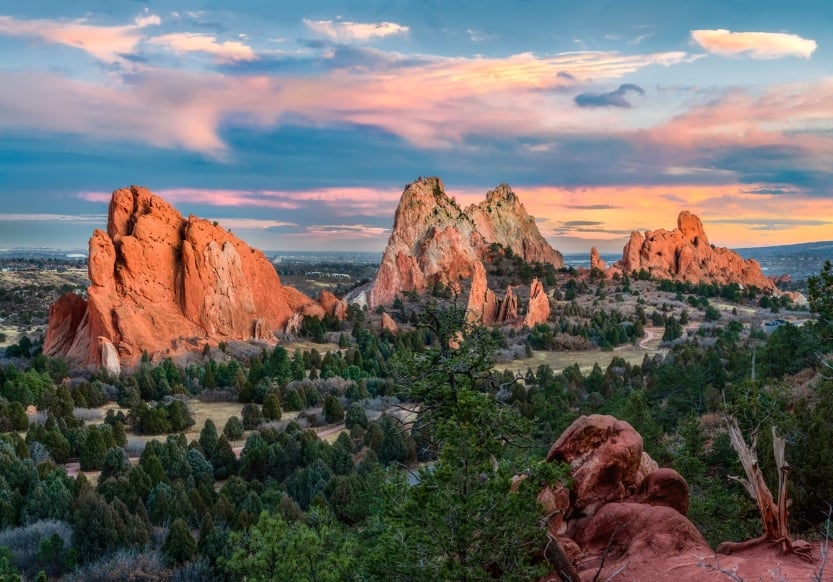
[(297, 124)]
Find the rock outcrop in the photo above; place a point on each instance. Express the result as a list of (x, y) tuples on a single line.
[(485, 308), (625, 517), (483, 305), (620, 503), (538, 310), (435, 241), (158, 279), (333, 305), (387, 323), (685, 254), (502, 219), (596, 261)]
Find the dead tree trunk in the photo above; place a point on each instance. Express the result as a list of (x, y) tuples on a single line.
[(774, 515)]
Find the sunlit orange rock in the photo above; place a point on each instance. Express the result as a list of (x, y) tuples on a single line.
[(157, 277), (388, 323), (596, 261), (538, 310), (482, 305), (333, 305), (434, 240), (685, 254)]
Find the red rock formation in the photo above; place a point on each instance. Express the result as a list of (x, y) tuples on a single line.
[(502, 219), (157, 278), (538, 310), (605, 455), (434, 240), (596, 261), (685, 254), (482, 305), (507, 310), (388, 324), (333, 305), (625, 512), (620, 503), (65, 315), (486, 309)]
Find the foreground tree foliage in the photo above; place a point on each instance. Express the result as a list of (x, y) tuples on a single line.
[(460, 521), (312, 548), (420, 484)]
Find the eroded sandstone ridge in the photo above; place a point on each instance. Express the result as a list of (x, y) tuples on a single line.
[(158, 279), (434, 240), (685, 254)]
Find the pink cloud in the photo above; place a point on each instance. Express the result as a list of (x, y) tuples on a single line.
[(346, 31), (189, 42), (457, 97), (105, 43), (347, 201), (756, 45)]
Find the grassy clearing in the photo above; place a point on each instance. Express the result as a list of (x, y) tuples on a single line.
[(585, 359)]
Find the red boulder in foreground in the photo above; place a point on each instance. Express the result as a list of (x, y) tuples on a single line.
[(626, 517)]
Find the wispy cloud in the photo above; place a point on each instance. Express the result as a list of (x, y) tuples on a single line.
[(590, 206), (105, 43), (346, 201), (254, 223), (46, 217), (457, 97), (756, 45), (346, 31), (611, 99), (343, 231), (190, 42)]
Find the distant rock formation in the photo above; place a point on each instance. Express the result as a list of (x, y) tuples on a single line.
[(596, 261), (435, 241), (158, 279), (388, 324), (684, 254), (538, 310), (333, 305), (486, 309)]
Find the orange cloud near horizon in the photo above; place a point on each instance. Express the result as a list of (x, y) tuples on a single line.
[(734, 215)]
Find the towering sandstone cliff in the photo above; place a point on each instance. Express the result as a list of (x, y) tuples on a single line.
[(435, 240), (685, 254), (158, 278)]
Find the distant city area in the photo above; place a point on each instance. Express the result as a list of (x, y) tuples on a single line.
[(798, 261)]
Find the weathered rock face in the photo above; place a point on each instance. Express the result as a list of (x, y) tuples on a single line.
[(485, 308), (596, 261), (65, 315), (605, 455), (507, 308), (685, 254), (482, 306), (434, 240), (388, 324), (157, 277), (620, 502), (333, 305), (502, 219), (538, 310)]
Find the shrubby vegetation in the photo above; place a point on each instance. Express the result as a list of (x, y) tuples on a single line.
[(418, 484)]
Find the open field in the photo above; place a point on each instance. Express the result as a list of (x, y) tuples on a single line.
[(585, 359)]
